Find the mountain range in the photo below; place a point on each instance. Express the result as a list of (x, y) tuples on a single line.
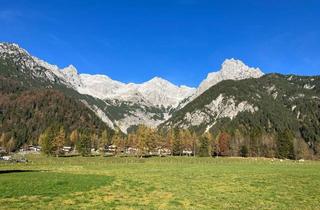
[(124, 105), (237, 99)]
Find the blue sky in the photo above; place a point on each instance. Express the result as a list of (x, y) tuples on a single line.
[(179, 40)]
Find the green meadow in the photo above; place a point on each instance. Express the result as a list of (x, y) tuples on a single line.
[(159, 183)]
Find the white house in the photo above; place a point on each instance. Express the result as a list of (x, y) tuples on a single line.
[(66, 149), (7, 158)]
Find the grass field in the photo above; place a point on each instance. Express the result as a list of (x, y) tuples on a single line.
[(159, 183)]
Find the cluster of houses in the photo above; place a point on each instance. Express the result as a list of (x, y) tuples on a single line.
[(37, 149), (112, 149), (8, 158), (108, 150), (30, 149)]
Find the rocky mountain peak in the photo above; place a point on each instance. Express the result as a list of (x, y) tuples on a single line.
[(12, 49), (233, 66), (231, 69), (70, 70)]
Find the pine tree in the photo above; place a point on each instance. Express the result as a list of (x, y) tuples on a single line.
[(104, 140), (84, 144), (46, 141), (244, 151), (204, 150), (177, 146), (285, 147)]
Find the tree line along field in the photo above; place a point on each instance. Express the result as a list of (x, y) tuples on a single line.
[(146, 141), (159, 183)]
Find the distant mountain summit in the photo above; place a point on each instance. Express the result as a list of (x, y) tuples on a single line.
[(124, 104), (231, 69), (265, 113), (156, 92)]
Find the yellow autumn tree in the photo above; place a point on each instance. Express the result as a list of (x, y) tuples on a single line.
[(58, 142)]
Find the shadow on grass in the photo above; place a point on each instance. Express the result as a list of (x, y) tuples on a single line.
[(69, 156), (78, 155), (18, 171)]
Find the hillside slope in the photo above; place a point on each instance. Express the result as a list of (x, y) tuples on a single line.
[(117, 104), (253, 109), (32, 98)]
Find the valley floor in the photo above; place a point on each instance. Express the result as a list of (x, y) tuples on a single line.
[(159, 183)]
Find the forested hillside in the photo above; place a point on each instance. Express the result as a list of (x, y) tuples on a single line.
[(274, 115), (29, 105)]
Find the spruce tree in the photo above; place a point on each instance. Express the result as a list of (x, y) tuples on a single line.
[(177, 146), (285, 147), (204, 146), (84, 144), (244, 151), (46, 141)]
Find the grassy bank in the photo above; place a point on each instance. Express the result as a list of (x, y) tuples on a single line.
[(159, 183)]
